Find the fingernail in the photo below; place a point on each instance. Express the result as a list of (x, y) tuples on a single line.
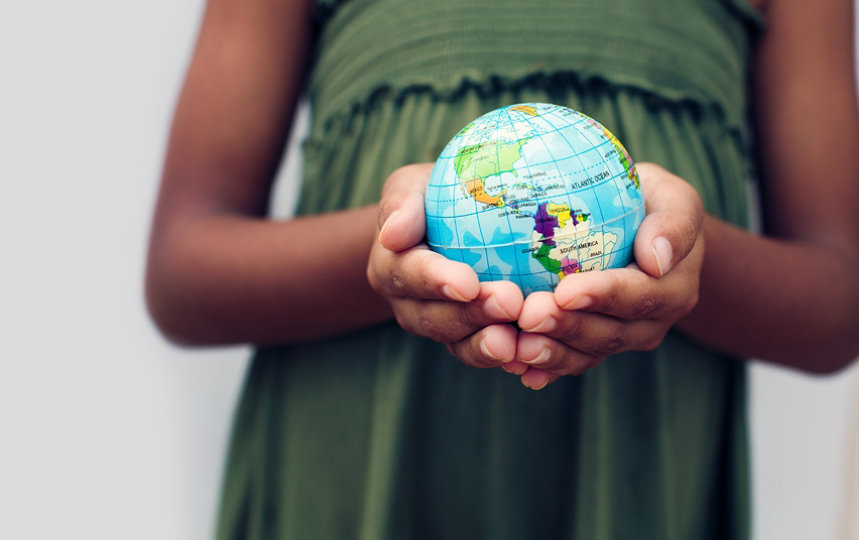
[(546, 325), (452, 293), (542, 358), (579, 302), (485, 350), (661, 249)]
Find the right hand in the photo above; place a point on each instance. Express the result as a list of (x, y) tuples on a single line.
[(592, 315), (433, 296)]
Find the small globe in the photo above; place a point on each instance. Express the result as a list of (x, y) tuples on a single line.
[(532, 193)]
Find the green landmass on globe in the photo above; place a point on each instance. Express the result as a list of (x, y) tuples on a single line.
[(534, 192)]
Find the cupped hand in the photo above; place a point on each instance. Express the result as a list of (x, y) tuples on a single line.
[(433, 296), (595, 314)]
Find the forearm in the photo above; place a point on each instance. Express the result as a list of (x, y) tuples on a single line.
[(223, 278), (789, 303)]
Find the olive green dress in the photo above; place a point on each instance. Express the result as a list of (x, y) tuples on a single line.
[(380, 434)]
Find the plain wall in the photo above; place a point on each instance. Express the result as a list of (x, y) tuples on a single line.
[(108, 431)]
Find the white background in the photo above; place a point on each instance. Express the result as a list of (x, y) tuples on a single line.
[(106, 431)]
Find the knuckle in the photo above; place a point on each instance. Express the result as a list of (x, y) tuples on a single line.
[(613, 342), (612, 297), (430, 328), (468, 317), (687, 230), (572, 331), (397, 283), (646, 306)]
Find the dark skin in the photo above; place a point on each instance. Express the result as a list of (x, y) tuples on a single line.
[(220, 272)]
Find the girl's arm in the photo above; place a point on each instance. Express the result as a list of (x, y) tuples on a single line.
[(790, 298), (793, 298), (218, 272)]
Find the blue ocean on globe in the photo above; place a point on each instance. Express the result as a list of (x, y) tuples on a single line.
[(532, 193)]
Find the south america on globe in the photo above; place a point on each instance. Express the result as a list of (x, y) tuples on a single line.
[(531, 193)]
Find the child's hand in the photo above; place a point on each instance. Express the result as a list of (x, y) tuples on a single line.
[(433, 296), (594, 314)]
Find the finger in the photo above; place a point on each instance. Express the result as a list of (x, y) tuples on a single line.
[(402, 220), (537, 379), (670, 228), (422, 274), (503, 300), (492, 346), (628, 294), (515, 367), (597, 335), (552, 356), (539, 313), (586, 332), (446, 321)]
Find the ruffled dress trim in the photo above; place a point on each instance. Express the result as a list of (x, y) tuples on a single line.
[(372, 49)]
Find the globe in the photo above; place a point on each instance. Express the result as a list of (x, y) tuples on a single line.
[(534, 192)]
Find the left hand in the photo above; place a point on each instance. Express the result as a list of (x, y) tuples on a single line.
[(433, 296), (595, 314)]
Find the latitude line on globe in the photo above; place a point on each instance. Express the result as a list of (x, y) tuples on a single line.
[(620, 196), (507, 216), (592, 188), (438, 206), (460, 253), (483, 137), (607, 141), (554, 161)]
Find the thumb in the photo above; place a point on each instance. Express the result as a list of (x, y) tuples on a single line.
[(402, 221), (674, 213)]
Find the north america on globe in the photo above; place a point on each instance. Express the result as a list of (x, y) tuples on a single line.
[(532, 193)]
